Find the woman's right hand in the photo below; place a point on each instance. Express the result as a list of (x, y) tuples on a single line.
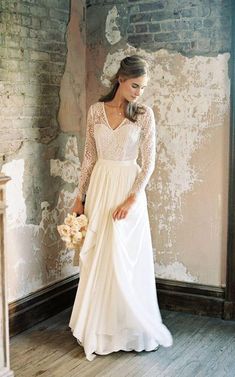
[(78, 207)]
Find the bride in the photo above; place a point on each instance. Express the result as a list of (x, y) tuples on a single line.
[(116, 306)]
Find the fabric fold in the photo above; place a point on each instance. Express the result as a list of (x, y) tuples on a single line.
[(116, 306)]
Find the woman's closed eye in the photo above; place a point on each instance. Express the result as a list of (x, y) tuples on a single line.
[(135, 86)]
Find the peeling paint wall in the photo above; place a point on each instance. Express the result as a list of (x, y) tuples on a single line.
[(54, 65), (73, 84), (189, 93), (36, 255), (42, 133), (112, 31)]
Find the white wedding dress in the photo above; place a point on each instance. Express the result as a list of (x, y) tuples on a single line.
[(116, 305)]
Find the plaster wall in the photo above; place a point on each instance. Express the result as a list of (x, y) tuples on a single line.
[(187, 193), (53, 69)]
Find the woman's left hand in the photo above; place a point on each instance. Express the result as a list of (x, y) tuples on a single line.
[(122, 210)]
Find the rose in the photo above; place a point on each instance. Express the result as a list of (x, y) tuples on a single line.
[(64, 230), (77, 237), (73, 230), (66, 239), (82, 220), (69, 219)]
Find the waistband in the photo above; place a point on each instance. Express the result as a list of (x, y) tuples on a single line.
[(116, 162)]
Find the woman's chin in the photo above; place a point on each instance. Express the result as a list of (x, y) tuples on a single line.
[(133, 99)]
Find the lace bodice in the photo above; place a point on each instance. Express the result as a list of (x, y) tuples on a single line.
[(121, 143)]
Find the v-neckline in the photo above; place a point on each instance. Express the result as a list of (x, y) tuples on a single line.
[(107, 121)]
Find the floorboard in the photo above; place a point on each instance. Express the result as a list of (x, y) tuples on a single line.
[(203, 347)]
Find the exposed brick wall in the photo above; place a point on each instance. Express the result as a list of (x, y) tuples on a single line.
[(33, 54), (42, 56), (190, 27)]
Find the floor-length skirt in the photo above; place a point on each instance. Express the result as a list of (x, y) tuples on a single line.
[(116, 306)]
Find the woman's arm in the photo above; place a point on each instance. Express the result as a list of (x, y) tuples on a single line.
[(148, 152), (89, 158)]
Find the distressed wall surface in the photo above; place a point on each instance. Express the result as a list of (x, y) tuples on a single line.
[(46, 55), (42, 115), (188, 46)]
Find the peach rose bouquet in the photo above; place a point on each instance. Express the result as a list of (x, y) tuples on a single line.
[(73, 232)]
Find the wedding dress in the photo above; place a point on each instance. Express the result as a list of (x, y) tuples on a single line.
[(116, 306)]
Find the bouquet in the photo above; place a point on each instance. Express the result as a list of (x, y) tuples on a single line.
[(73, 232)]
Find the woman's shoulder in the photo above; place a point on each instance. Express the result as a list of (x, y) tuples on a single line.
[(96, 105), (147, 109), (147, 114)]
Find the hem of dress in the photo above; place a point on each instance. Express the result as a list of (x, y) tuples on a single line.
[(91, 356)]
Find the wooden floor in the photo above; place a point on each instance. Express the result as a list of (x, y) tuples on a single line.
[(203, 347)]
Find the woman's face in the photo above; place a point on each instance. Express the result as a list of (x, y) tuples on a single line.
[(131, 89)]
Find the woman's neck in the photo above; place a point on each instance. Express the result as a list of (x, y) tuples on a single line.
[(118, 100)]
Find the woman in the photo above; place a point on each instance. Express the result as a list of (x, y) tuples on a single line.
[(116, 304)]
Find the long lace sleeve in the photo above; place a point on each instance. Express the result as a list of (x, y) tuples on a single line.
[(148, 151), (89, 158)]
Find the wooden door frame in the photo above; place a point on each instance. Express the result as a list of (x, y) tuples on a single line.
[(229, 305)]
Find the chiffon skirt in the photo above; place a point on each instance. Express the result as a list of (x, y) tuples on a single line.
[(116, 306)]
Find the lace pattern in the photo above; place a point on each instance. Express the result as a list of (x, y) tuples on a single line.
[(89, 157), (148, 152), (121, 143)]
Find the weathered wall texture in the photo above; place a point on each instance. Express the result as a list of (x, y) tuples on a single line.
[(188, 47), (40, 79), (46, 54), (72, 112)]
